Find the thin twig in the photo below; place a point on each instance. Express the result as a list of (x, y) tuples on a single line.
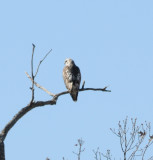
[(96, 89), (33, 50), (32, 88), (129, 146), (108, 155), (85, 89), (41, 62), (83, 84), (97, 154), (151, 158)]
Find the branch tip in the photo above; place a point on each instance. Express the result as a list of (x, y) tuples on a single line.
[(83, 84), (33, 45)]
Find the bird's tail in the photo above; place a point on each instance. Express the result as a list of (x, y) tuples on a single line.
[(74, 95)]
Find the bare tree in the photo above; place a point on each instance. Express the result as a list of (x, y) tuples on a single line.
[(132, 140), (80, 150), (97, 154), (108, 155), (33, 104)]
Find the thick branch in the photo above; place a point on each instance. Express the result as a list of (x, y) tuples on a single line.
[(21, 113), (32, 105)]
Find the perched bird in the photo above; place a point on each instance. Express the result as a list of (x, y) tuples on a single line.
[(72, 78)]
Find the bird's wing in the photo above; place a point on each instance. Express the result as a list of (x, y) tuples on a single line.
[(76, 74)]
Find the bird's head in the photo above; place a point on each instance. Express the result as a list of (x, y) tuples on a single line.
[(69, 62)]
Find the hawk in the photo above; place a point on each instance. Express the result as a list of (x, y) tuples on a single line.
[(72, 78)]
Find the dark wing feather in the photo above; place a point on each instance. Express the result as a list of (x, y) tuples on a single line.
[(76, 82), (76, 74)]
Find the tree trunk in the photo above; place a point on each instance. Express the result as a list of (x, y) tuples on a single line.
[(2, 151)]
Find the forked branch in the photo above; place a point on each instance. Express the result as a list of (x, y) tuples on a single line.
[(55, 96), (34, 104)]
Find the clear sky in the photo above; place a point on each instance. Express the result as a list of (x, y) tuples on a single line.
[(112, 43)]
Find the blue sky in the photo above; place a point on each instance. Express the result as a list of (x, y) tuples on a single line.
[(112, 43)]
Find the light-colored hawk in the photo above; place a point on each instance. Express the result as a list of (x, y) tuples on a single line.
[(72, 78)]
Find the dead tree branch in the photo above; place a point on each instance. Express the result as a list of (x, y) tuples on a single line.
[(55, 96), (34, 104), (32, 88), (21, 113), (66, 92), (39, 86)]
